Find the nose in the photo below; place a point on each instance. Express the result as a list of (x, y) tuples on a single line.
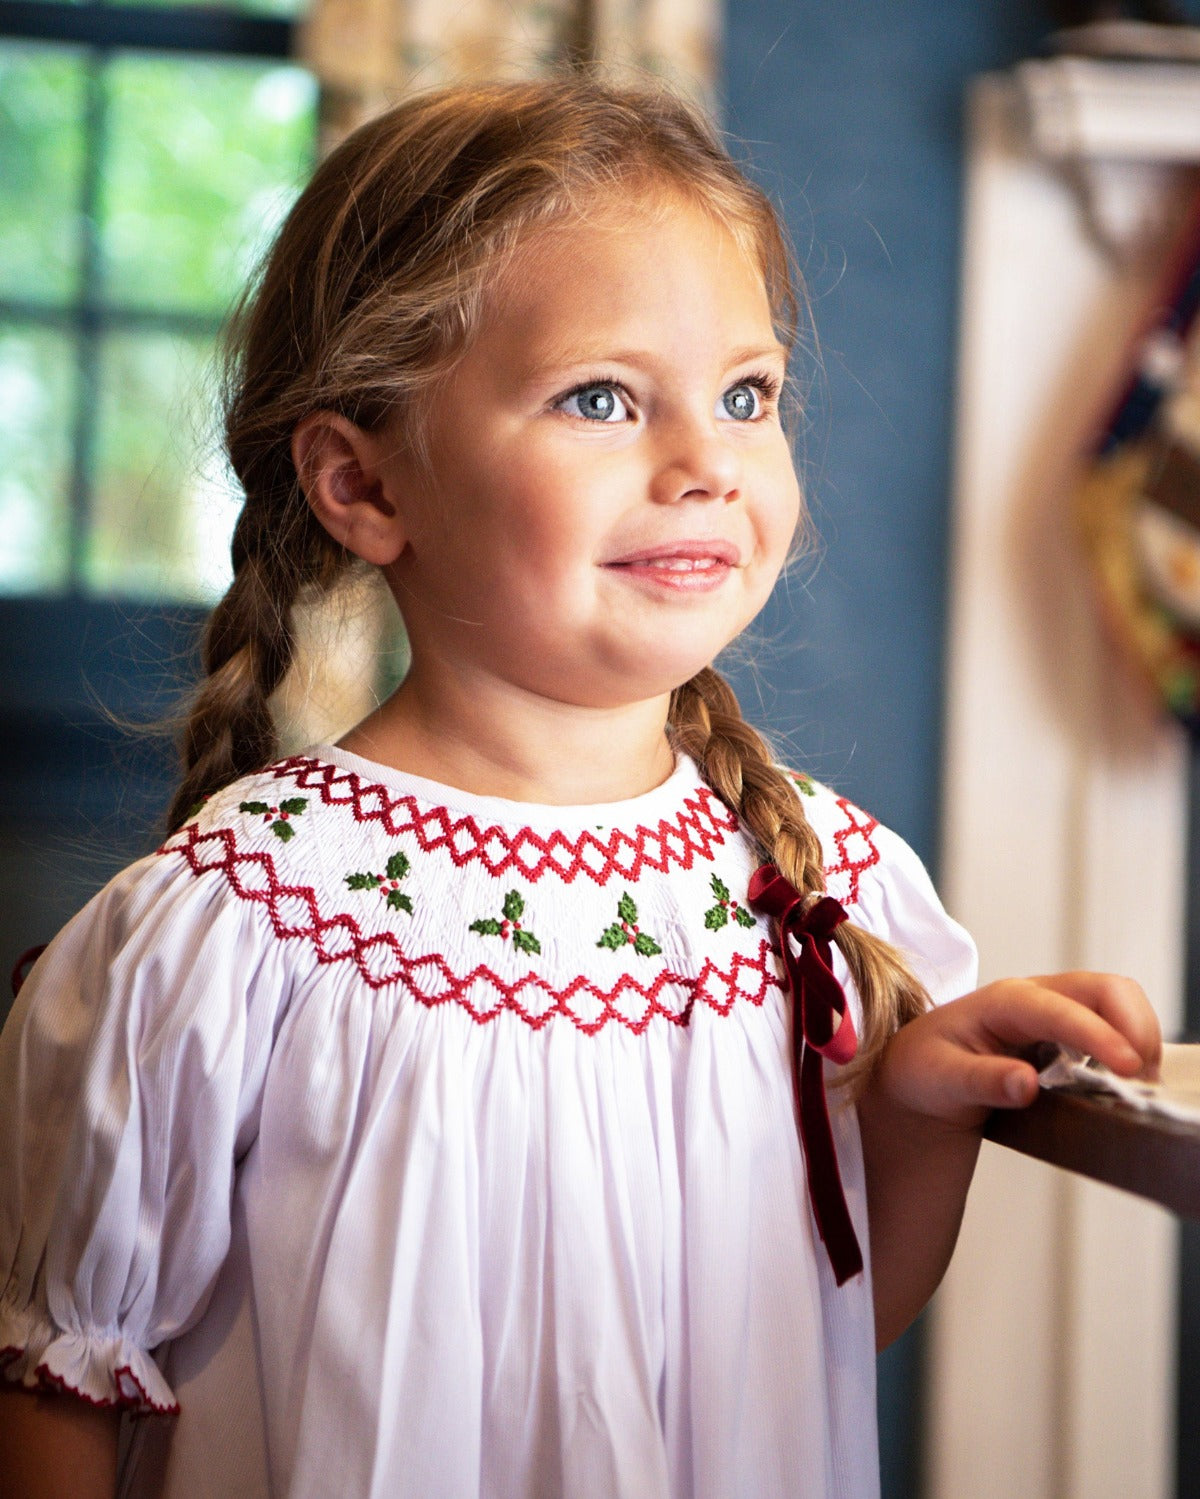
[(696, 461)]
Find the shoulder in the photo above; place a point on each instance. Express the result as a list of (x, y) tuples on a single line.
[(201, 889), (887, 890)]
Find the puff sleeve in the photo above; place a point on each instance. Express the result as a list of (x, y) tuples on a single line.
[(897, 901), (131, 1072)]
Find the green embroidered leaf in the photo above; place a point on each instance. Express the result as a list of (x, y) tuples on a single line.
[(526, 942), (645, 945), (363, 881), (294, 805), (720, 889), (743, 917), (514, 906), (487, 926), (626, 909), (398, 901), (254, 807), (716, 918), (283, 831), (613, 937), (397, 866), (195, 810), (804, 784)]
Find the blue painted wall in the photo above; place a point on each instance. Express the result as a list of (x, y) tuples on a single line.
[(853, 115)]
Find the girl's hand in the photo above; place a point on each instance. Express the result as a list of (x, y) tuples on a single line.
[(959, 1061), (922, 1110)]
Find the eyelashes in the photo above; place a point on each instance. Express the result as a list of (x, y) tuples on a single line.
[(767, 384)]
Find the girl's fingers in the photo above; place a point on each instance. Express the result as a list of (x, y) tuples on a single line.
[(1121, 1002), (986, 1082), (960, 1060), (1109, 1018)]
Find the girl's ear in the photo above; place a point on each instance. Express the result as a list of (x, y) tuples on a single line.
[(340, 471)]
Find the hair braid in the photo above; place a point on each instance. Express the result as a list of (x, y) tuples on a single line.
[(707, 724), (246, 651)]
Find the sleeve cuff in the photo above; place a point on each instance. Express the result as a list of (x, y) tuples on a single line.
[(107, 1371)]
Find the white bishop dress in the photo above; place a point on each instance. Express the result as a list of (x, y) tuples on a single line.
[(407, 1144)]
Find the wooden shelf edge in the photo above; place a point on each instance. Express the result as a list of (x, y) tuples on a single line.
[(1108, 1141)]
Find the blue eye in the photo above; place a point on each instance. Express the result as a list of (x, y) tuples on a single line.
[(742, 402), (595, 403)]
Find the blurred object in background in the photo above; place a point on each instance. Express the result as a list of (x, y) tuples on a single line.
[(1138, 506), (367, 52), (1077, 13)]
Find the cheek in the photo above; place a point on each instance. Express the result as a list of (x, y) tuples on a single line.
[(780, 510), (557, 509)]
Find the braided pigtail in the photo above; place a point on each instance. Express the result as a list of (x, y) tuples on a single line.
[(247, 649), (707, 724)]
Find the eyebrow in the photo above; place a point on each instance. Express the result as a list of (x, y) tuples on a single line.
[(560, 359)]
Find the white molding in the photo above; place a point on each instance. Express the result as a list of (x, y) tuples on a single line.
[(1080, 107), (1052, 1340)]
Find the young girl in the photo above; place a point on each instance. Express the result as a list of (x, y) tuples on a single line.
[(443, 1112)]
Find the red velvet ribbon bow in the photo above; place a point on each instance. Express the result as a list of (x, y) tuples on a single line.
[(821, 1027)]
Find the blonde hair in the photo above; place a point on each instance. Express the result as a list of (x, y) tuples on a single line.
[(372, 290)]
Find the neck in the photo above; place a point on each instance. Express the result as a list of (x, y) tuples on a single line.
[(494, 739)]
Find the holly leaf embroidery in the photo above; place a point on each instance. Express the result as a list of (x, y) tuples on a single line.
[(614, 937), (283, 831), (526, 942), (398, 901), (804, 784), (397, 866), (254, 807), (294, 806), (487, 926), (720, 889), (363, 881), (645, 945), (626, 909), (514, 906), (716, 917), (743, 917)]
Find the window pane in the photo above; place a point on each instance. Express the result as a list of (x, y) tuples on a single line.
[(163, 509), (204, 158), (36, 386), (283, 8), (41, 148)]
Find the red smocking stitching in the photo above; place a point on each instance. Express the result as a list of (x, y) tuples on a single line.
[(381, 960), (856, 849), (701, 825)]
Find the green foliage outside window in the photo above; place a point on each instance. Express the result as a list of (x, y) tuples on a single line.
[(138, 192)]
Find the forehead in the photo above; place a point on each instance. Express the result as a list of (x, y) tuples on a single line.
[(662, 268)]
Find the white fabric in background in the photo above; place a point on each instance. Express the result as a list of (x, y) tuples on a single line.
[(393, 1206)]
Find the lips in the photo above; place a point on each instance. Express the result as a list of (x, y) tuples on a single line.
[(681, 556), (678, 567)]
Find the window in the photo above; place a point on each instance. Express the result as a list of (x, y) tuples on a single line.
[(149, 153)]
